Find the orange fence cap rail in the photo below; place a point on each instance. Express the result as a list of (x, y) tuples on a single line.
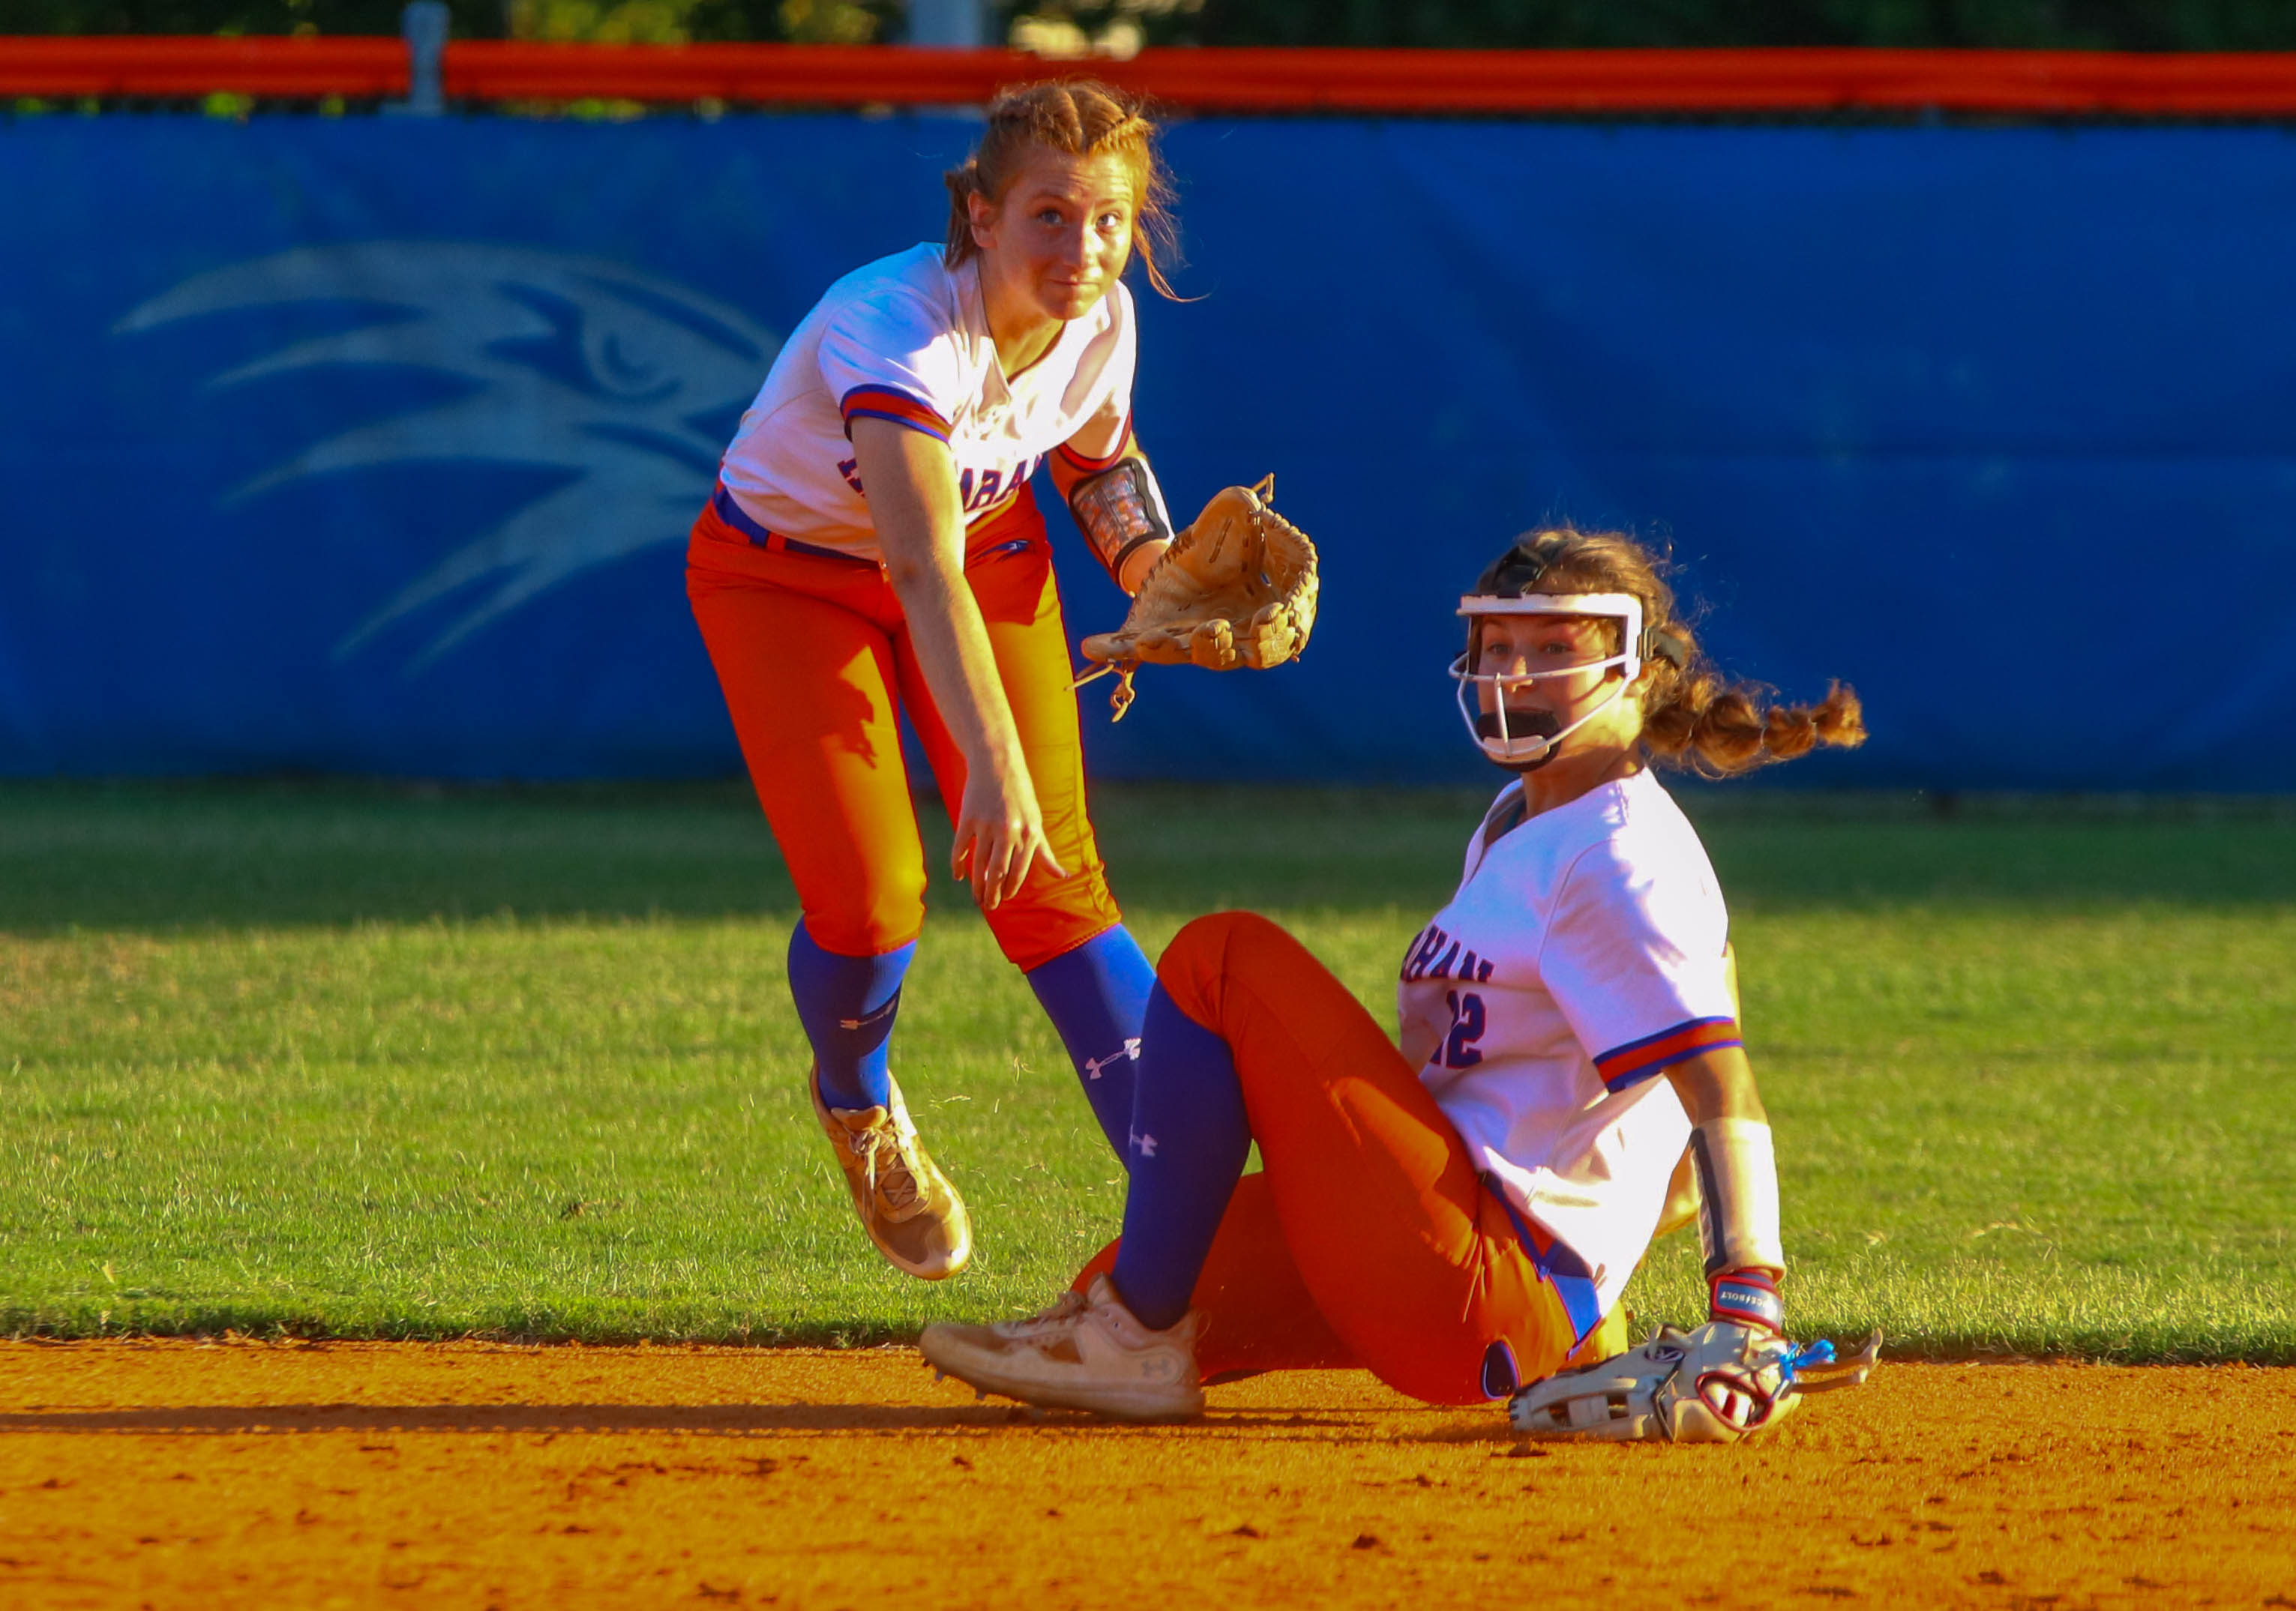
[(1422, 81), (165, 66)]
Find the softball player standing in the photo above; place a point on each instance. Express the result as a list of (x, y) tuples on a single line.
[(873, 546), (1459, 1214)]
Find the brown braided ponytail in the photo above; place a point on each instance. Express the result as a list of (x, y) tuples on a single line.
[(1693, 717), (1084, 118)]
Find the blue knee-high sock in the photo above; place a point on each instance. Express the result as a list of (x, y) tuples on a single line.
[(847, 1005), (1096, 996), (1190, 1138)]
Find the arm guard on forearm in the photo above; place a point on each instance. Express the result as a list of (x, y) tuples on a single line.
[(1738, 1218), (1117, 510)]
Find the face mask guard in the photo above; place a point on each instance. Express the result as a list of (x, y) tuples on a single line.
[(1528, 751)]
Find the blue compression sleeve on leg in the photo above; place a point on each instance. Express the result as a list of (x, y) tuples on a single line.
[(847, 1005), (1190, 1139), (1096, 996)]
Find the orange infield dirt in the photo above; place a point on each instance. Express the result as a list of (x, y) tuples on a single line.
[(306, 1475)]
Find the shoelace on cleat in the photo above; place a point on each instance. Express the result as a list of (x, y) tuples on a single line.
[(1053, 1332), (1069, 1306), (885, 1167)]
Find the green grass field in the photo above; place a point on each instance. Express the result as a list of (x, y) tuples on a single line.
[(365, 1061)]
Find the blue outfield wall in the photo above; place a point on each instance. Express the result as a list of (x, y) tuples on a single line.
[(369, 445)]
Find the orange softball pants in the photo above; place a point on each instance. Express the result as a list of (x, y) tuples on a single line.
[(815, 657), (1368, 1237)]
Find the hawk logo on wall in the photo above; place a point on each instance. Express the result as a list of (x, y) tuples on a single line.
[(628, 383)]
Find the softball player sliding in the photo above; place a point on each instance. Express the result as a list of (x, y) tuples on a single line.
[(873, 545), (1459, 1214)]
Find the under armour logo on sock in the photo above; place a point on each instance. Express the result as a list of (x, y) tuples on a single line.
[(1144, 1145), (1093, 1066), (885, 1012)]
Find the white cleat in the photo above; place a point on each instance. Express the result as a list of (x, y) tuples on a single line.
[(1087, 1351)]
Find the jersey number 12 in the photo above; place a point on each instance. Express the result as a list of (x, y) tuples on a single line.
[(1466, 1028)]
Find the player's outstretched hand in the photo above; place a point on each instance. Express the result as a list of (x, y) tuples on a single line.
[(1716, 1385), (1000, 835), (1236, 588)]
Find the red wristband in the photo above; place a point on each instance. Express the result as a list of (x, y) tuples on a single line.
[(1746, 1297)]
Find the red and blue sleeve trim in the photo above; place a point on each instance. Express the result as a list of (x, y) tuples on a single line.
[(1084, 466), (1637, 1061), (891, 403)]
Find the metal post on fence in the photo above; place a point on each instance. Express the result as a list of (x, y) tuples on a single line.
[(423, 26), (948, 24)]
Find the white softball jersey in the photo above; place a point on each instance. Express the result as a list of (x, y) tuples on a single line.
[(1582, 957), (906, 339)]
